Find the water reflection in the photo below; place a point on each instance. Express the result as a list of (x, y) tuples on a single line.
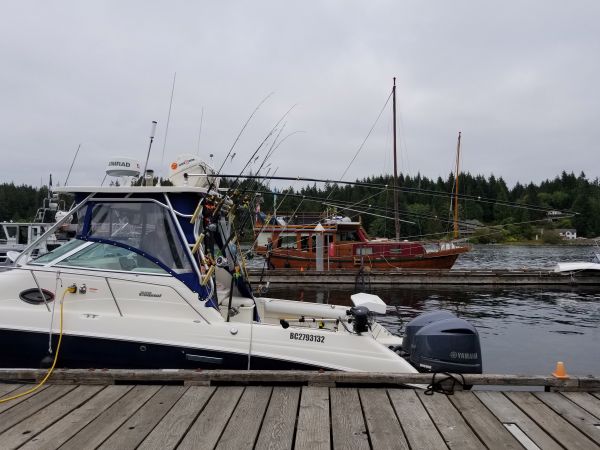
[(523, 330)]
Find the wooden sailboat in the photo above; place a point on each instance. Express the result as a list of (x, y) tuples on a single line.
[(346, 245)]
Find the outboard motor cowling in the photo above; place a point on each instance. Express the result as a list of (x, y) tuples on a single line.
[(450, 345), (419, 322)]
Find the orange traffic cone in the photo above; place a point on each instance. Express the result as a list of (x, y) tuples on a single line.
[(560, 371)]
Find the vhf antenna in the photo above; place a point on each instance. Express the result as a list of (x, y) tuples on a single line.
[(152, 131)]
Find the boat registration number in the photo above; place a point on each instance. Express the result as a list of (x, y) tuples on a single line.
[(307, 337)]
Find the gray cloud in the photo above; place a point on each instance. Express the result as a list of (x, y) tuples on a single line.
[(517, 78)]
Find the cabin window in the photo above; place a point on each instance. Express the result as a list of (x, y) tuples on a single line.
[(11, 231), (364, 251), (287, 241), (348, 236), (144, 226), (2, 234), (110, 257), (23, 235), (304, 242)]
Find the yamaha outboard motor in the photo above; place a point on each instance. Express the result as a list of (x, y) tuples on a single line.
[(441, 342), (419, 322)]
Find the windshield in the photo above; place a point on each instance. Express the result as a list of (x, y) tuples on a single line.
[(58, 252), (144, 226), (110, 257)]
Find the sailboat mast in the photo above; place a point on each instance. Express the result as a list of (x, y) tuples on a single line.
[(456, 188), (395, 181)]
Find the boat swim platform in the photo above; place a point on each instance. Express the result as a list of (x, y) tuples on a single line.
[(529, 277), (126, 409)]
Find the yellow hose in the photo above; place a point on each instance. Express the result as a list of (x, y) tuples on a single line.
[(35, 388)]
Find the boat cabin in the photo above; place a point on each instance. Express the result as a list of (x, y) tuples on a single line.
[(344, 242)]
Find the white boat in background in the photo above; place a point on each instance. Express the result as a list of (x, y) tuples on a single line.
[(593, 265), (16, 236), (154, 279)]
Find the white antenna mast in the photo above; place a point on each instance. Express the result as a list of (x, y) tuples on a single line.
[(152, 131)]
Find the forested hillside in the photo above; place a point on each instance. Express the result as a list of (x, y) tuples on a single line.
[(517, 213), (502, 213), (19, 203)]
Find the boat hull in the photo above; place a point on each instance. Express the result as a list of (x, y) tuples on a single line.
[(443, 259), (27, 349)]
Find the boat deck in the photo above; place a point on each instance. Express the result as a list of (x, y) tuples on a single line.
[(317, 414)]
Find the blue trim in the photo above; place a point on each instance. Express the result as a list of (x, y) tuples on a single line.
[(187, 278)]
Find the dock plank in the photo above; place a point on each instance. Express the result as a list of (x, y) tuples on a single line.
[(31, 405), (33, 425), (449, 422), (206, 430), (585, 400), (97, 431), (418, 427), (561, 430), (277, 431), (140, 424), (61, 431), (171, 429), (348, 427), (384, 428), (6, 389), (313, 419), (242, 429), (24, 388), (487, 426), (508, 413), (575, 415)]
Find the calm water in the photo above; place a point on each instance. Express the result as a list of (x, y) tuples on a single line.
[(522, 330)]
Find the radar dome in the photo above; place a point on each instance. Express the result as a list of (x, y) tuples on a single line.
[(123, 167)]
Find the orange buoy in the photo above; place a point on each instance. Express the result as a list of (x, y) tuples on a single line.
[(560, 371)]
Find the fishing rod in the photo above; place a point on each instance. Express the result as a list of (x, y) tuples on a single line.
[(232, 188), (243, 129)]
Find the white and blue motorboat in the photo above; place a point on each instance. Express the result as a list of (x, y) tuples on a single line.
[(154, 279)]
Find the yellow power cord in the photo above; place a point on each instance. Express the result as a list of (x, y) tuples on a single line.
[(35, 388)]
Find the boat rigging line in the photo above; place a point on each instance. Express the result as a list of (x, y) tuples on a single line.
[(401, 189)]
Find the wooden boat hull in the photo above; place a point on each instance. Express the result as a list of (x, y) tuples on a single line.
[(443, 259)]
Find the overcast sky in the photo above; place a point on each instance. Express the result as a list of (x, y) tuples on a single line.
[(519, 78)]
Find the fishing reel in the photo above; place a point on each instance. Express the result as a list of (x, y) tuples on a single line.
[(221, 261)]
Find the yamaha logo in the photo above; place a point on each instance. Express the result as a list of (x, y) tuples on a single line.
[(463, 355)]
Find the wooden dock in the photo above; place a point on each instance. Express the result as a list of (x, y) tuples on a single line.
[(302, 410), (524, 277)]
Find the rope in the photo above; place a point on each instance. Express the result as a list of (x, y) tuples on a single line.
[(436, 385), (35, 388)]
